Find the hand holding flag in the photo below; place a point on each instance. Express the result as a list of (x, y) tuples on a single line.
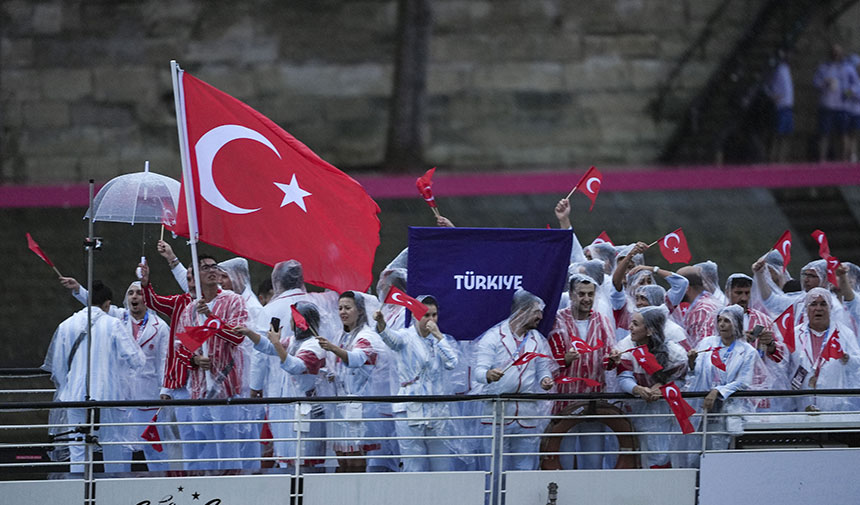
[(581, 347), (589, 185), (424, 185), (679, 406), (33, 246), (398, 297)]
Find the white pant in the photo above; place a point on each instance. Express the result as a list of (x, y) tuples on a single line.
[(516, 445), (77, 453), (421, 447)]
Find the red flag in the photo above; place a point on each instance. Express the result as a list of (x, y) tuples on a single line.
[(398, 297), (259, 192), (603, 238), (526, 357), (151, 434), (298, 318), (783, 247), (679, 406), (590, 185), (785, 323), (674, 247), (194, 336), (582, 348), (38, 250), (823, 246), (646, 360), (716, 360), (424, 183), (833, 349), (832, 265), (684, 307), (588, 382)]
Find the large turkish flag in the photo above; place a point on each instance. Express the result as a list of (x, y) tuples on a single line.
[(264, 195)]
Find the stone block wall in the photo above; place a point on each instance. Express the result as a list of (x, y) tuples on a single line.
[(85, 88)]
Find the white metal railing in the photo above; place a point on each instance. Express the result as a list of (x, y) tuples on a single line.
[(304, 444)]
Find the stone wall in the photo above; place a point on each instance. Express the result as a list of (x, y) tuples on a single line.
[(85, 88)]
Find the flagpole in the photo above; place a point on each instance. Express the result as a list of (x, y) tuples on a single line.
[(572, 191), (187, 182)]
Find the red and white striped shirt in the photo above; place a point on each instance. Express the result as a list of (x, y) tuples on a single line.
[(224, 355), (176, 367), (700, 317)]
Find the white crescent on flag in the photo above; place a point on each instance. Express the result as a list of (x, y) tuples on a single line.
[(786, 244), (399, 299), (672, 394), (783, 322), (589, 182), (207, 148), (667, 237)]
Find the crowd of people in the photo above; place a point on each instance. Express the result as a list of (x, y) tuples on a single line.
[(291, 343)]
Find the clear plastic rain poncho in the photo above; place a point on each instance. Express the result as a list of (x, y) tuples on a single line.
[(656, 297), (116, 358), (370, 372), (673, 359), (593, 269), (606, 253), (807, 364), (153, 339), (774, 274), (395, 315), (624, 250), (302, 378), (779, 301), (426, 366), (492, 352), (741, 361), (711, 280)]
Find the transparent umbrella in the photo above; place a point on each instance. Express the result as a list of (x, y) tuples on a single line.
[(142, 197)]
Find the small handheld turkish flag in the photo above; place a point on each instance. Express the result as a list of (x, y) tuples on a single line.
[(590, 185), (581, 347), (833, 350), (823, 246), (679, 406), (526, 357), (398, 297), (588, 382), (832, 265), (194, 336), (38, 250), (785, 323), (783, 247), (646, 360), (716, 360), (424, 185), (151, 434), (298, 318), (603, 238), (674, 247)]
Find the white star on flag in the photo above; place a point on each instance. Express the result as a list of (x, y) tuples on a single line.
[(293, 193), (675, 250)]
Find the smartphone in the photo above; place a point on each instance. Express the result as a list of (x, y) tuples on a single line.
[(757, 330), (276, 324)]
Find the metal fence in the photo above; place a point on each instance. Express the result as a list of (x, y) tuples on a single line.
[(480, 433)]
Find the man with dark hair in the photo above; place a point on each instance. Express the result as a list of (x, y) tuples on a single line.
[(423, 355), (217, 367), (699, 320), (115, 356)]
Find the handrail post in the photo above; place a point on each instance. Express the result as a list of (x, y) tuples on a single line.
[(298, 417), (704, 434)]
